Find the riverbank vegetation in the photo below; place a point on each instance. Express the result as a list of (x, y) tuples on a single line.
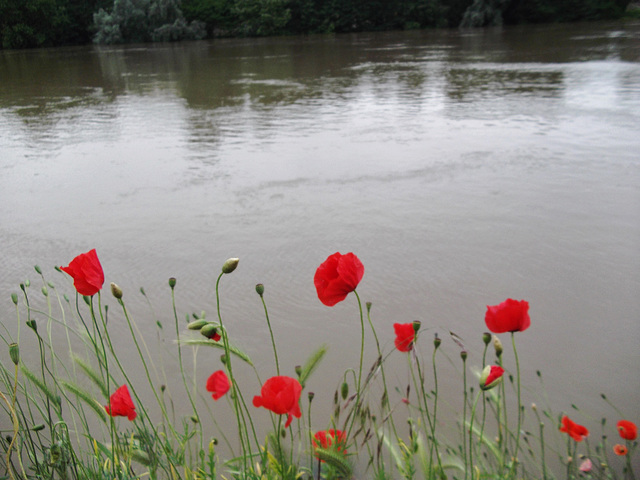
[(45, 23), (78, 409)]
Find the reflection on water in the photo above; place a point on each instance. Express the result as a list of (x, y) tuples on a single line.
[(462, 167)]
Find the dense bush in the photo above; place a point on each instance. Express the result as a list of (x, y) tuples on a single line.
[(144, 21)]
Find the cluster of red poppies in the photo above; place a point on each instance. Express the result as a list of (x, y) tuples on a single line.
[(334, 279)]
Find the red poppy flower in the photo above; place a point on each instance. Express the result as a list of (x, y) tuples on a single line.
[(627, 430), (509, 316), (281, 395), (491, 376), (328, 438), (620, 450), (337, 276), (87, 273), (575, 431), (218, 384), (405, 335), (121, 405)]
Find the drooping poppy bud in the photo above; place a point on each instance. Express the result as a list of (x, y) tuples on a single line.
[(491, 376), (344, 390)]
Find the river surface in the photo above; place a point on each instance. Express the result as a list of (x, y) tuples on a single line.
[(462, 167)]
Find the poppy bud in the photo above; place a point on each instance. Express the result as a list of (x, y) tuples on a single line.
[(209, 330), (298, 370), (14, 353), (38, 427), (497, 345), (486, 338), (27, 283), (534, 407), (223, 359), (32, 325), (491, 376), (172, 282), (163, 387), (197, 324), (311, 395), (260, 289), (344, 390), (38, 269), (368, 304), (194, 419), (436, 341), (116, 291), (14, 298), (463, 355), (44, 291), (416, 326), (230, 265)]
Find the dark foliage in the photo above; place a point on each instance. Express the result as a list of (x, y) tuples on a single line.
[(36, 23)]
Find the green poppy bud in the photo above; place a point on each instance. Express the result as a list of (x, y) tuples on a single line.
[(298, 370), (14, 353), (116, 291), (38, 427), (486, 338), (223, 359), (344, 390), (311, 395), (32, 325), (38, 269), (368, 304), (260, 289), (230, 265), (436, 341), (197, 324), (416, 326), (14, 298), (44, 291), (172, 282), (209, 330), (194, 419), (463, 354), (497, 345)]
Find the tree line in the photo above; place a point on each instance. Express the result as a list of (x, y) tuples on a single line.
[(43, 23)]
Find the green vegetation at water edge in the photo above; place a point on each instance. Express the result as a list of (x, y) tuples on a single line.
[(45, 23)]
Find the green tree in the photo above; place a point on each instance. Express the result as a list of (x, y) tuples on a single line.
[(261, 17)]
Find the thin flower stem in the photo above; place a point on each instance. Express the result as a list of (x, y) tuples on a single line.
[(358, 393), (464, 416), (515, 453), (184, 380), (227, 353), (473, 414), (273, 342)]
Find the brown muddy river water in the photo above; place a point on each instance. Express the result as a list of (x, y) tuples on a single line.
[(461, 167)]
